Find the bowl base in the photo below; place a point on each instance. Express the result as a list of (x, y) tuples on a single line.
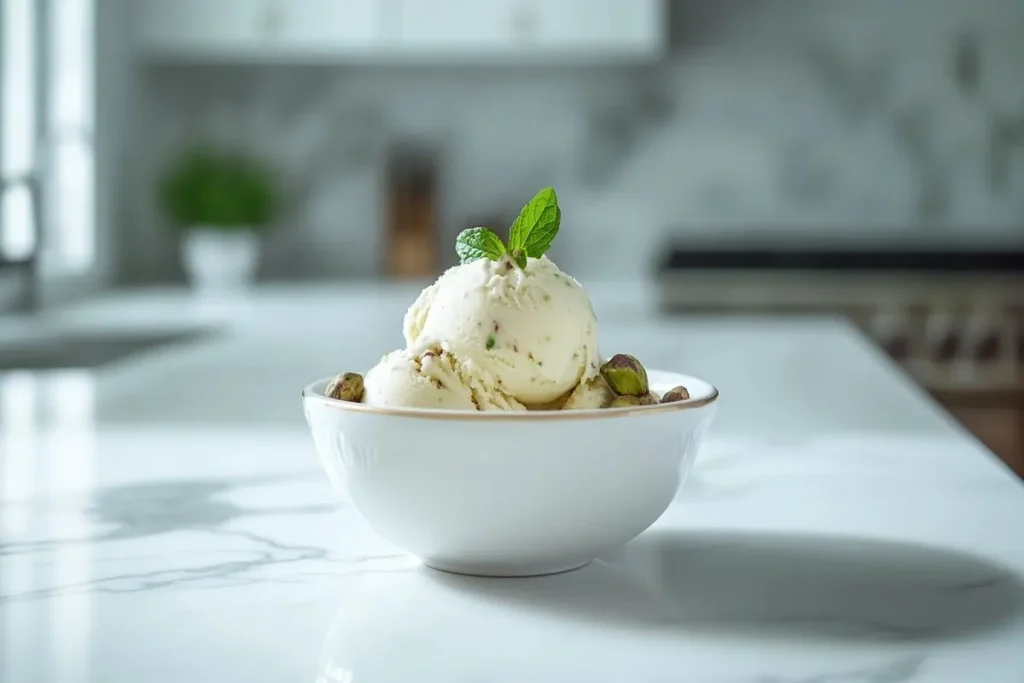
[(509, 570)]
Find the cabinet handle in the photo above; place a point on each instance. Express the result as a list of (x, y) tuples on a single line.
[(272, 20), (524, 23)]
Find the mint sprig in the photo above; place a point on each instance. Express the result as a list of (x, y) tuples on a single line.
[(531, 234), (537, 225), (477, 243)]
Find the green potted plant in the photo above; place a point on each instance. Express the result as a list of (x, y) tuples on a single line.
[(221, 202)]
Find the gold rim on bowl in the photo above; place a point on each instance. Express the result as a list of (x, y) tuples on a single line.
[(517, 415)]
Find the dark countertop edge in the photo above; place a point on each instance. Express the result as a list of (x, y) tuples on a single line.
[(842, 260), (9, 264)]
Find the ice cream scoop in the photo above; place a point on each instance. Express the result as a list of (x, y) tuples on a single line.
[(590, 395), (531, 329), (432, 378)]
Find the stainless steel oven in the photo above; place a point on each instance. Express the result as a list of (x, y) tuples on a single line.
[(954, 319)]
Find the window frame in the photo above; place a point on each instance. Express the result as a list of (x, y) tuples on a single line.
[(28, 178)]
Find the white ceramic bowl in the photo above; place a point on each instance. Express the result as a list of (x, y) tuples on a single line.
[(510, 493)]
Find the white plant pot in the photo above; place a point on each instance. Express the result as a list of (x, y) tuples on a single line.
[(220, 260)]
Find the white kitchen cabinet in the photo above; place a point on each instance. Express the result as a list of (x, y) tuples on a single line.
[(414, 31), (451, 26), (615, 26), (524, 29), (254, 29)]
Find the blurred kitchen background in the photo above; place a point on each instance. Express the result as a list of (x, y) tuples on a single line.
[(854, 157)]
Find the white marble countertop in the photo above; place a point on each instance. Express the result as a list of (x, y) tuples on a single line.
[(165, 520)]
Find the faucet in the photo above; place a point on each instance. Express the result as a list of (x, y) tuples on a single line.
[(29, 267)]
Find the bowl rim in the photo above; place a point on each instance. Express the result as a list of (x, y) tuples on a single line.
[(309, 393)]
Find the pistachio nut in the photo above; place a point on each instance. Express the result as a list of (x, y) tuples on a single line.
[(624, 401), (675, 394), (625, 375), (628, 401), (348, 386)]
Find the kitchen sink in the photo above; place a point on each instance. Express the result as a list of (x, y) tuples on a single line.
[(87, 349)]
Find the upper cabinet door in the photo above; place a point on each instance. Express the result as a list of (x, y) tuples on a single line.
[(255, 28), (451, 26), (525, 29), (329, 25), (600, 27)]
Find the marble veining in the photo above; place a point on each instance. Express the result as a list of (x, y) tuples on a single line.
[(138, 511), (896, 671)]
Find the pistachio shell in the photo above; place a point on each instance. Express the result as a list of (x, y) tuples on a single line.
[(625, 375), (624, 401), (675, 394), (627, 401), (348, 386)]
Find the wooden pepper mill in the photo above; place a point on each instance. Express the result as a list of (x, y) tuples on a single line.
[(412, 213)]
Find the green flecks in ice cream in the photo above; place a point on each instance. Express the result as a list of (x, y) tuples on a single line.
[(490, 342)]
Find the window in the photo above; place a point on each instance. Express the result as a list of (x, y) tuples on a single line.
[(46, 122), (70, 241), (18, 130)]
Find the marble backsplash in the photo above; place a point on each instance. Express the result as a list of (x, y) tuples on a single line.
[(867, 118)]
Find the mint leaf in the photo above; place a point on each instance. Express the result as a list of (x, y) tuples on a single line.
[(537, 224), (474, 244)]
